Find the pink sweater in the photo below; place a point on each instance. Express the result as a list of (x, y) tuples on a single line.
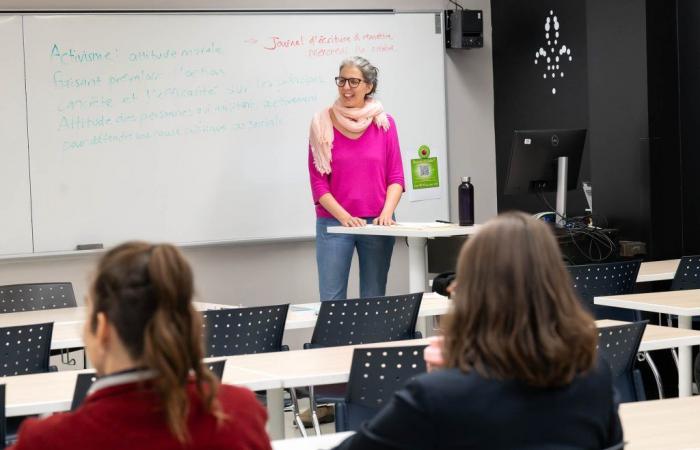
[(362, 169)]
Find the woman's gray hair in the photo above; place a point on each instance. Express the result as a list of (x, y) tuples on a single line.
[(369, 72)]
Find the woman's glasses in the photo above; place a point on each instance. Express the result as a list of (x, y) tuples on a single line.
[(354, 82)]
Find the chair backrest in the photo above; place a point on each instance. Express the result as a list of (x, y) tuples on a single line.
[(34, 296), (217, 367), (619, 345), (688, 274), (366, 320), (376, 373), (82, 386), (25, 349), (594, 280), (242, 331)]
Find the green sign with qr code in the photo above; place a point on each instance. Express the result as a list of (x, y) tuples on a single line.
[(424, 170)]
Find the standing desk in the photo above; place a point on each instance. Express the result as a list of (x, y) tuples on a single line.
[(417, 236), (667, 424), (685, 304)]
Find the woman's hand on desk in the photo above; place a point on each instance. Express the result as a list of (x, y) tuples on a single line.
[(351, 221), (384, 219)]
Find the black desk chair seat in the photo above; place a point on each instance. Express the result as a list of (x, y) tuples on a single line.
[(375, 375), (359, 321), (619, 345)]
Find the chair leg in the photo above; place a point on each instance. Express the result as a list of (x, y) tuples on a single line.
[(295, 410), (66, 357), (314, 416), (674, 352), (655, 372)]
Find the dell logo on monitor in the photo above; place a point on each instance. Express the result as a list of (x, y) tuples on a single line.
[(555, 140)]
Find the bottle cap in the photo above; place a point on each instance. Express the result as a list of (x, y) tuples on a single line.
[(466, 179)]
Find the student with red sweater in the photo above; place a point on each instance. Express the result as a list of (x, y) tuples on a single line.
[(143, 337)]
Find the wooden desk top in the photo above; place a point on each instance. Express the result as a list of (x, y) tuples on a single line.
[(53, 391), (682, 303), (658, 338), (332, 365), (50, 392), (657, 424), (657, 270), (668, 424), (418, 230)]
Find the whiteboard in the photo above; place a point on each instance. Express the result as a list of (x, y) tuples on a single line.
[(15, 218), (194, 128)]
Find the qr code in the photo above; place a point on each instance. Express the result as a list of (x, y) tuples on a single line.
[(424, 170)]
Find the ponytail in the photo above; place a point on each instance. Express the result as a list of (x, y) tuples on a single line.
[(146, 292)]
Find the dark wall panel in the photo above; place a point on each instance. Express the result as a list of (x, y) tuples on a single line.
[(689, 71), (618, 134), (664, 140), (523, 96)]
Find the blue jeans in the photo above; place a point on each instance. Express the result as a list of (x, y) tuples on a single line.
[(334, 256)]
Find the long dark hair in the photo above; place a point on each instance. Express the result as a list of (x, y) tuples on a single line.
[(515, 314), (145, 292)]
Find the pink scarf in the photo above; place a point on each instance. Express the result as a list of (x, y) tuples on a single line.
[(355, 120)]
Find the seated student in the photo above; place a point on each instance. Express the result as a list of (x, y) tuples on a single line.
[(144, 338), (518, 366)]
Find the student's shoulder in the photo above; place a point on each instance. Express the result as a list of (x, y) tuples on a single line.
[(446, 381), (37, 433)]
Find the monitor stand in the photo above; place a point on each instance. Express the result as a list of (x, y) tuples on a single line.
[(562, 173)]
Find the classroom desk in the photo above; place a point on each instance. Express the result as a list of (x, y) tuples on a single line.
[(68, 322), (51, 392), (685, 304), (667, 424), (332, 365), (657, 270), (417, 237)]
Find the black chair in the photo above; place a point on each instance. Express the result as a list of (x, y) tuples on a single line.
[(375, 375), (595, 280), (619, 345), (616, 278), (25, 349), (366, 320), (688, 274), (217, 367), (242, 331), (82, 386), (36, 296), (359, 321)]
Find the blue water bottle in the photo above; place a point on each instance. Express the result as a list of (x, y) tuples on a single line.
[(466, 202)]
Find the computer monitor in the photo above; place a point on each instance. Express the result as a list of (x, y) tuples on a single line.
[(545, 161)]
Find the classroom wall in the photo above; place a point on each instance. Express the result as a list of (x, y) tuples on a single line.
[(253, 274)]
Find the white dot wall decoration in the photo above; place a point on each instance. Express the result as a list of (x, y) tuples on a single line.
[(553, 69)]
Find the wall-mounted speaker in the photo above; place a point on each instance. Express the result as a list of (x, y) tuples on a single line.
[(464, 28)]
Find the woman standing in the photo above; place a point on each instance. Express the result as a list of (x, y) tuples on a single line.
[(356, 177), (518, 366), (144, 339)]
